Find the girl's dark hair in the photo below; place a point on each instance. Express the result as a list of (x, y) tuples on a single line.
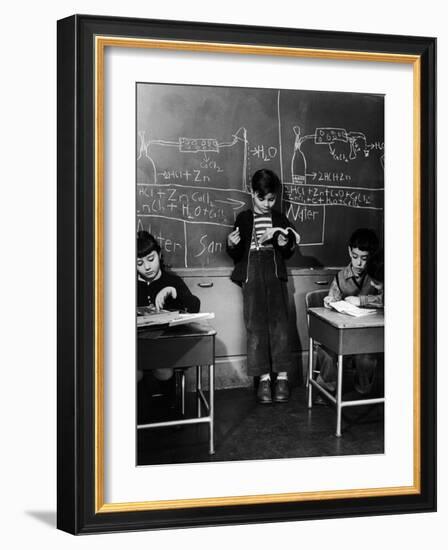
[(146, 244), (364, 239), (265, 182)]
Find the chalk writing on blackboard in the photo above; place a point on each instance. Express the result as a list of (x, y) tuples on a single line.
[(192, 202), (192, 186), (193, 145)]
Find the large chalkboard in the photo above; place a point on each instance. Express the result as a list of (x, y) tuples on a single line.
[(198, 146)]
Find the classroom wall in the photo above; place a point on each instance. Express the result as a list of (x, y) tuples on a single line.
[(28, 274)]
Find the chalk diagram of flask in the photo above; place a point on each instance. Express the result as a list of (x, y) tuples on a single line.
[(306, 201), (298, 162), (146, 168), (148, 171), (353, 143)]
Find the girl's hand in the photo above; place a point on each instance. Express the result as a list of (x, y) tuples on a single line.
[(163, 295), (354, 300), (234, 238), (327, 302)]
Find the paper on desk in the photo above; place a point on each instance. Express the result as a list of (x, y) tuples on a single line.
[(170, 318), (190, 318), (350, 309), (154, 318)]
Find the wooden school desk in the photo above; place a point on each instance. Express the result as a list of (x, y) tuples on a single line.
[(343, 335), (181, 347)]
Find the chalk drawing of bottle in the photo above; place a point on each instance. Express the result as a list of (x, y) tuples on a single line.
[(298, 163), (146, 169)]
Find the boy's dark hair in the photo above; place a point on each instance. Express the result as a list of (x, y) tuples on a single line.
[(364, 239), (265, 182), (146, 244)]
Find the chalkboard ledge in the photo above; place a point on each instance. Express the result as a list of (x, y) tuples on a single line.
[(227, 271)]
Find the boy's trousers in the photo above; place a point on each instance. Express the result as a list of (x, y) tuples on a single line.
[(366, 367), (265, 300)]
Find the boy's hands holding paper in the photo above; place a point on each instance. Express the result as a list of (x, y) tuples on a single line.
[(270, 232), (234, 238), (282, 240), (354, 300), (281, 234)]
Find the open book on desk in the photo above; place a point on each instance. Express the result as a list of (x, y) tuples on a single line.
[(355, 311), (148, 317)]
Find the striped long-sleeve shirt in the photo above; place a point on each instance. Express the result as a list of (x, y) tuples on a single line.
[(261, 223)]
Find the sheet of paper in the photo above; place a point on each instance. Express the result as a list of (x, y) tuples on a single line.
[(190, 318), (350, 309), (171, 318)]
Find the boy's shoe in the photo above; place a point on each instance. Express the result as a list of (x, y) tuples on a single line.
[(281, 391), (264, 392)]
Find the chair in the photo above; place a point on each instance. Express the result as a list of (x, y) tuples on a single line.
[(315, 298)]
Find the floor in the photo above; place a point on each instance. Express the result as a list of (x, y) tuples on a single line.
[(245, 430)]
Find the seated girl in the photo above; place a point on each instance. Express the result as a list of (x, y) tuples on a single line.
[(155, 285), (159, 288)]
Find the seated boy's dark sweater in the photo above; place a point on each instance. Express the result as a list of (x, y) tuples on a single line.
[(185, 301)]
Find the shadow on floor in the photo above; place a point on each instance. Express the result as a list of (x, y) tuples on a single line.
[(48, 517), (245, 430)]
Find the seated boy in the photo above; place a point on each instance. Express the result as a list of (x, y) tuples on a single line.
[(356, 284)]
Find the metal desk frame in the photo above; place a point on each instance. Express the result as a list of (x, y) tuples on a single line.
[(180, 348), (344, 335)]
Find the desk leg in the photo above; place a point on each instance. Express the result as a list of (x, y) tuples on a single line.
[(339, 398), (211, 376), (183, 392), (310, 373), (198, 389)]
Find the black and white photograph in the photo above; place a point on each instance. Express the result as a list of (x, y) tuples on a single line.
[(223, 241), (259, 273), (246, 254)]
